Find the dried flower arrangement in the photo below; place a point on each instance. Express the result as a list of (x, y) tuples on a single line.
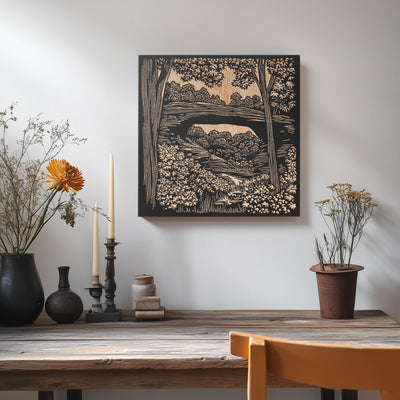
[(345, 214), (25, 205)]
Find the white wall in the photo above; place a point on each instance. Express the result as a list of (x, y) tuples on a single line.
[(78, 60)]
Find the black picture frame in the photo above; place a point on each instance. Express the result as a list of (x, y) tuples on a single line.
[(219, 135)]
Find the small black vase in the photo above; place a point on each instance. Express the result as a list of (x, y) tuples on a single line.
[(64, 305), (21, 291)]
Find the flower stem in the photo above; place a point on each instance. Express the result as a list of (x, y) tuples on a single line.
[(42, 220)]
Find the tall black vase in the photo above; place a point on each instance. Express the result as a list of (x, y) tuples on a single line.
[(64, 305), (21, 291)]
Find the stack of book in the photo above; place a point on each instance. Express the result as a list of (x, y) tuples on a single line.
[(149, 307)]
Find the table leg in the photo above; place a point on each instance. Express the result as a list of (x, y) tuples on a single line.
[(349, 395), (327, 394), (74, 394), (45, 395)]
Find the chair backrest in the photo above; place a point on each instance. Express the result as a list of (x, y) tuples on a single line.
[(330, 366)]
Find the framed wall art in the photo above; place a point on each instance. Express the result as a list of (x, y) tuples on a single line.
[(219, 135)]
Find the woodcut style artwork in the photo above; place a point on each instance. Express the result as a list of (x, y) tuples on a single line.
[(219, 135)]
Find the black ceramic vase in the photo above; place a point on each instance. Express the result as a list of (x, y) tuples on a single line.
[(21, 291), (64, 305)]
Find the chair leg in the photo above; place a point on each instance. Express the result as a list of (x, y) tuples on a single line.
[(42, 395), (327, 394), (74, 394), (349, 395)]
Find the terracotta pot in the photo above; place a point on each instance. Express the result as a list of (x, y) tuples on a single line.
[(337, 290)]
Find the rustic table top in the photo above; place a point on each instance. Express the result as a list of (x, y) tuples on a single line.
[(188, 349)]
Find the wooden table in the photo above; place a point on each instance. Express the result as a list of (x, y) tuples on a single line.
[(190, 349)]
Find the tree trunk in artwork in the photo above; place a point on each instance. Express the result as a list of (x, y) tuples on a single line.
[(265, 95), (153, 81)]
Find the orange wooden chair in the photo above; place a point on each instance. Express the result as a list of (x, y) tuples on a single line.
[(318, 365)]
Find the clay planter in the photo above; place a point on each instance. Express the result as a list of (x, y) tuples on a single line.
[(337, 290)]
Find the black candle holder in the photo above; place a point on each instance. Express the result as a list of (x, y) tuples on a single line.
[(109, 312), (96, 291)]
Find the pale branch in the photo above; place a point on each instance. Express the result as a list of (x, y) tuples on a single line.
[(348, 211)]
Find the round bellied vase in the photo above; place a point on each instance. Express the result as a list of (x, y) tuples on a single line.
[(21, 291), (64, 306)]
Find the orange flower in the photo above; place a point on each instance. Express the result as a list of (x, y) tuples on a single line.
[(63, 176)]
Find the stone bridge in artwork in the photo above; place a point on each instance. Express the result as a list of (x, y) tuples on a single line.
[(179, 117)]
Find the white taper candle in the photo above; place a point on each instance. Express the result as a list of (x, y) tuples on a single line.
[(95, 258), (111, 227)]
